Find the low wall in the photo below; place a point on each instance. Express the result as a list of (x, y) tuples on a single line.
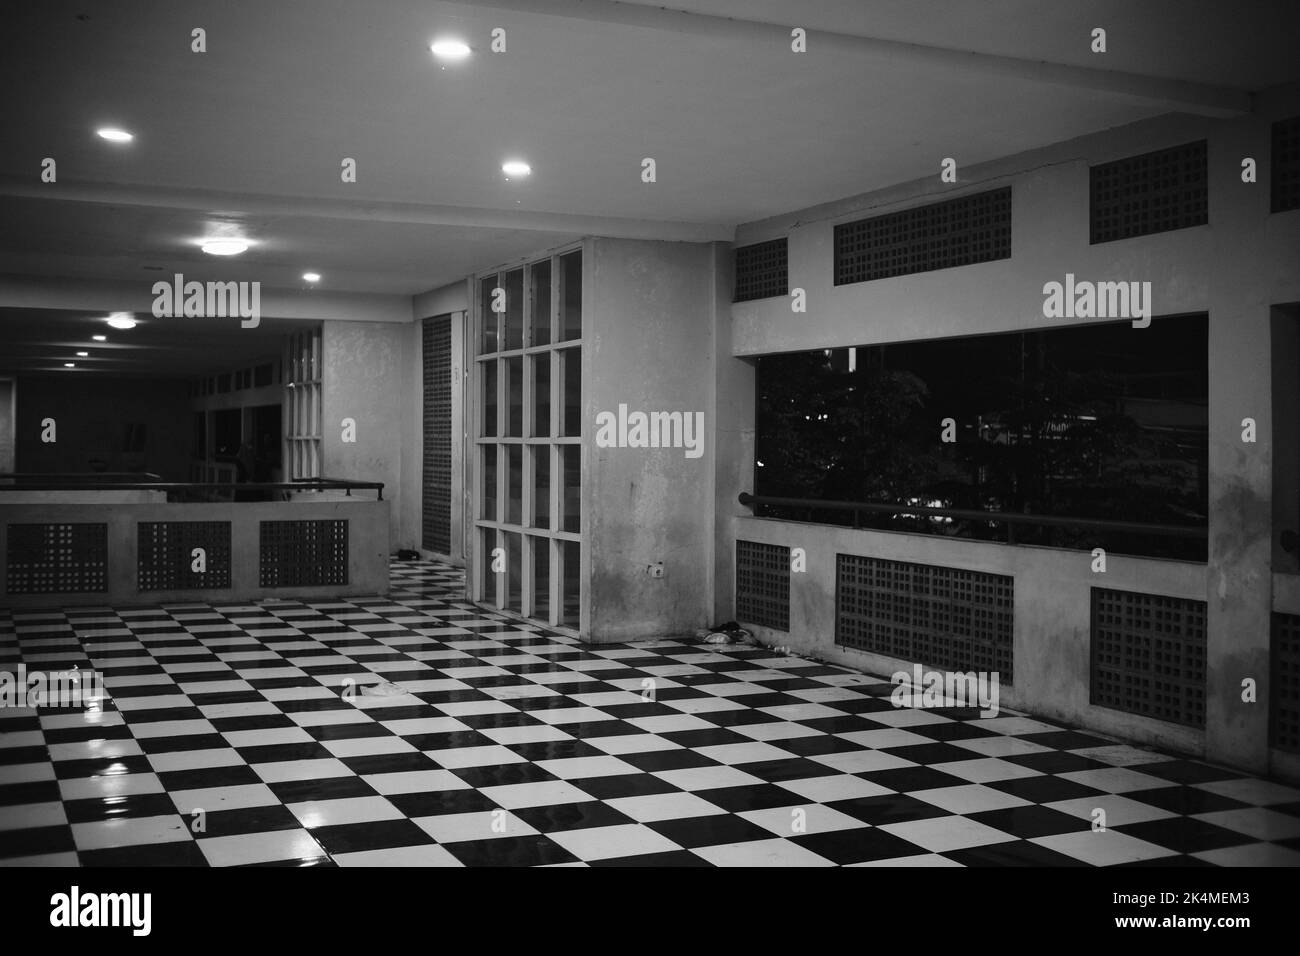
[(1052, 613), (64, 555)]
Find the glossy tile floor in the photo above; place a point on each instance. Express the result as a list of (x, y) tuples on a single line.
[(229, 740)]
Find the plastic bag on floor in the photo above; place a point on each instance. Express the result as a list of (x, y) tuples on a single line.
[(728, 633)]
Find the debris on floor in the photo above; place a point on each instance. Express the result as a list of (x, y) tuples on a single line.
[(728, 633), (386, 689)]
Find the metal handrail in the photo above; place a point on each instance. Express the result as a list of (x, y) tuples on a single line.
[(1009, 518), (301, 484)]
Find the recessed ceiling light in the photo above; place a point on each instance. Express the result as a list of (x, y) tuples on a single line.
[(121, 320), (114, 135), (83, 354), (449, 48), (100, 338), (516, 167), (69, 364), (311, 276), (224, 247)]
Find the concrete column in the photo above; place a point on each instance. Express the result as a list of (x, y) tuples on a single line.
[(733, 416), (1239, 582)]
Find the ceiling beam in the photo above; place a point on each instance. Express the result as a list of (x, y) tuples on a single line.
[(353, 210), (29, 292), (1174, 95)]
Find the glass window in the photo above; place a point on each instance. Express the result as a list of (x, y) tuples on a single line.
[(1098, 421), (514, 484), (572, 582), (572, 455), (541, 485), (488, 496), (514, 314), (540, 321), (514, 370), (541, 395), (541, 577), (488, 406), (572, 363), (571, 301), (489, 321)]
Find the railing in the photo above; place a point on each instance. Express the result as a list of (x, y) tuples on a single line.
[(97, 482), (1008, 518)]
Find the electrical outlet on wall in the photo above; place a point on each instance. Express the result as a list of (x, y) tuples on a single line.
[(655, 570)]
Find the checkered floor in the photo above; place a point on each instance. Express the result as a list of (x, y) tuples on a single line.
[(229, 738)]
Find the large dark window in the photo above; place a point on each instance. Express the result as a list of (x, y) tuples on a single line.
[(1100, 421)]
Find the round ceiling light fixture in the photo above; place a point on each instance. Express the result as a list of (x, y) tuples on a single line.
[(121, 320), (224, 247), (311, 276), (114, 135), (449, 48), (516, 167)]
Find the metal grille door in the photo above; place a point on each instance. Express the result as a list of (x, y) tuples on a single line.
[(436, 504)]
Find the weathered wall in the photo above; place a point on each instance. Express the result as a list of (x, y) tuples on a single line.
[(1235, 268), (367, 547), (648, 317), (1052, 612), (366, 377)]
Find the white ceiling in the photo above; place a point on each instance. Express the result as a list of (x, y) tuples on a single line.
[(250, 134)]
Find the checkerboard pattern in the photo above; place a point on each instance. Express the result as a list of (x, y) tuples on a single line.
[(260, 735)]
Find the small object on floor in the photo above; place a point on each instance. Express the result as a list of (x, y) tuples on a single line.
[(386, 689), (728, 633), (406, 554)]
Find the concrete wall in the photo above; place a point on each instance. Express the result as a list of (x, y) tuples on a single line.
[(648, 317), (1236, 268), (373, 373), (91, 413), (1052, 612), (367, 372), (368, 548)]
